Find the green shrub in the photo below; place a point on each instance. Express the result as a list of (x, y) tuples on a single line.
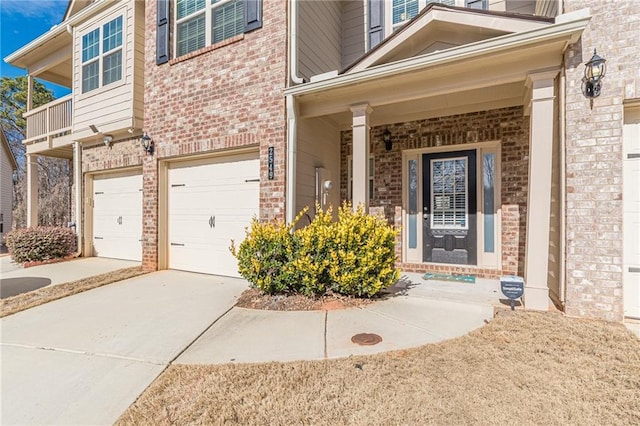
[(40, 243), (353, 256), (265, 257), (363, 256)]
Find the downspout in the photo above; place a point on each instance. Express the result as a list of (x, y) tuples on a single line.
[(563, 184), (77, 181), (291, 113), (293, 43)]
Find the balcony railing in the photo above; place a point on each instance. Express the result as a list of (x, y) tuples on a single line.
[(49, 120)]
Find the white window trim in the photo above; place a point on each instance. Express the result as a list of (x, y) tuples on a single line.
[(389, 27), (100, 58), (208, 13), (484, 260), (372, 177)]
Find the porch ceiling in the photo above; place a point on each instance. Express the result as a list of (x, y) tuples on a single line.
[(50, 60)]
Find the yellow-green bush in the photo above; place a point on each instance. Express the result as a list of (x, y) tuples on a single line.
[(353, 256), (265, 257)]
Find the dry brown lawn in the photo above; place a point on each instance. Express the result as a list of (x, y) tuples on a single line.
[(527, 368), (20, 302)]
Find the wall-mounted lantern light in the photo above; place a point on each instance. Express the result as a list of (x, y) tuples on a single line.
[(594, 71), (147, 143), (386, 137), (107, 139)]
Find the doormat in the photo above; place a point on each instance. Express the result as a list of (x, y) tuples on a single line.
[(450, 277)]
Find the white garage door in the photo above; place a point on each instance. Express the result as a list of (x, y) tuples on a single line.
[(210, 204), (631, 226), (117, 216)]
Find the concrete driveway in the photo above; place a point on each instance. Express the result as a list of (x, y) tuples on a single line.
[(16, 280), (84, 359)]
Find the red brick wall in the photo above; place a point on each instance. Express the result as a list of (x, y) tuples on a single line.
[(222, 97), (507, 125)]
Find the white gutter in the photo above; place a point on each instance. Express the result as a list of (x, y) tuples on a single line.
[(59, 29), (510, 41), (293, 43)]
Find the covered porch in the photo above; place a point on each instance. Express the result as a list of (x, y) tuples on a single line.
[(459, 148)]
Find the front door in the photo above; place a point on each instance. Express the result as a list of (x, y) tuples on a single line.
[(449, 210)]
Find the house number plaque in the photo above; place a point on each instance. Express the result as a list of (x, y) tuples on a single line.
[(270, 162)]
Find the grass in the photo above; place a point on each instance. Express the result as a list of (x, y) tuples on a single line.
[(21, 302), (522, 368)]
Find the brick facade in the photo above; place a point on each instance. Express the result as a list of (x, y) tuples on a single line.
[(594, 157), (507, 125), (222, 97)]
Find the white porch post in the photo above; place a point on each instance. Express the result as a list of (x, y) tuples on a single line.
[(541, 110), (32, 190), (77, 186), (360, 168)]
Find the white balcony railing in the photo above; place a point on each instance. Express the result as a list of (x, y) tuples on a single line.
[(49, 120)]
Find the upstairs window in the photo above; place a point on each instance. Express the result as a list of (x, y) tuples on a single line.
[(200, 23), (403, 10), (102, 55)]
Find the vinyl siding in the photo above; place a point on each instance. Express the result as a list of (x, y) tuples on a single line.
[(318, 146), (353, 31), (514, 6), (109, 108), (319, 29), (6, 197), (138, 63)]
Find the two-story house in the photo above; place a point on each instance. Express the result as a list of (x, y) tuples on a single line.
[(464, 122)]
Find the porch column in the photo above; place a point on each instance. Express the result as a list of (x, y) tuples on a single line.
[(77, 186), (360, 168), (29, 105), (541, 89), (32, 190)]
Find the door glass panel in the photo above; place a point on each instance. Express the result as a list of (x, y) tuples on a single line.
[(449, 193), (488, 173), (413, 204)]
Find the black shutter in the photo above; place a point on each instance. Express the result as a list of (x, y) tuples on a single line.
[(376, 22), (162, 35), (252, 15)]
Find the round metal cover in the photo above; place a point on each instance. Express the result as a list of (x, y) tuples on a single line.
[(366, 339)]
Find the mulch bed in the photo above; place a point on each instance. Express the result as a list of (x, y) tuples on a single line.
[(256, 299)]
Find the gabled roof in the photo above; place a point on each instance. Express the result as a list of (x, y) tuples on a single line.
[(7, 149), (439, 27), (75, 6)]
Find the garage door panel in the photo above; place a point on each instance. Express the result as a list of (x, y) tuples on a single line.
[(211, 204), (631, 218), (117, 216)]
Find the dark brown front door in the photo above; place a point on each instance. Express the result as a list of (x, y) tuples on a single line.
[(449, 209)]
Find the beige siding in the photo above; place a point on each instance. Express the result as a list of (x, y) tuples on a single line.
[(318, 146), (547, 8), (6, 196), (353, 31), (527, 7), (319, 30), (109, 108)]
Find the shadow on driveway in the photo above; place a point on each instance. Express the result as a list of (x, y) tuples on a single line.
[(14, 286)]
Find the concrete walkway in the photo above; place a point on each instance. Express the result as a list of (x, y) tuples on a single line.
[(85, 358)]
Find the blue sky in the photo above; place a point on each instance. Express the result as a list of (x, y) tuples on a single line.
[(22, 21)]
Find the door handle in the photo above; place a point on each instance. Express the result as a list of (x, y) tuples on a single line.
[(212, 222)]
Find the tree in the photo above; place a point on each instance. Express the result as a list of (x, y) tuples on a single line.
[(54, 178)]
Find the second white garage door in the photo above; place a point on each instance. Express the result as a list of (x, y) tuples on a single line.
[(117, 216), (211, 203)]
